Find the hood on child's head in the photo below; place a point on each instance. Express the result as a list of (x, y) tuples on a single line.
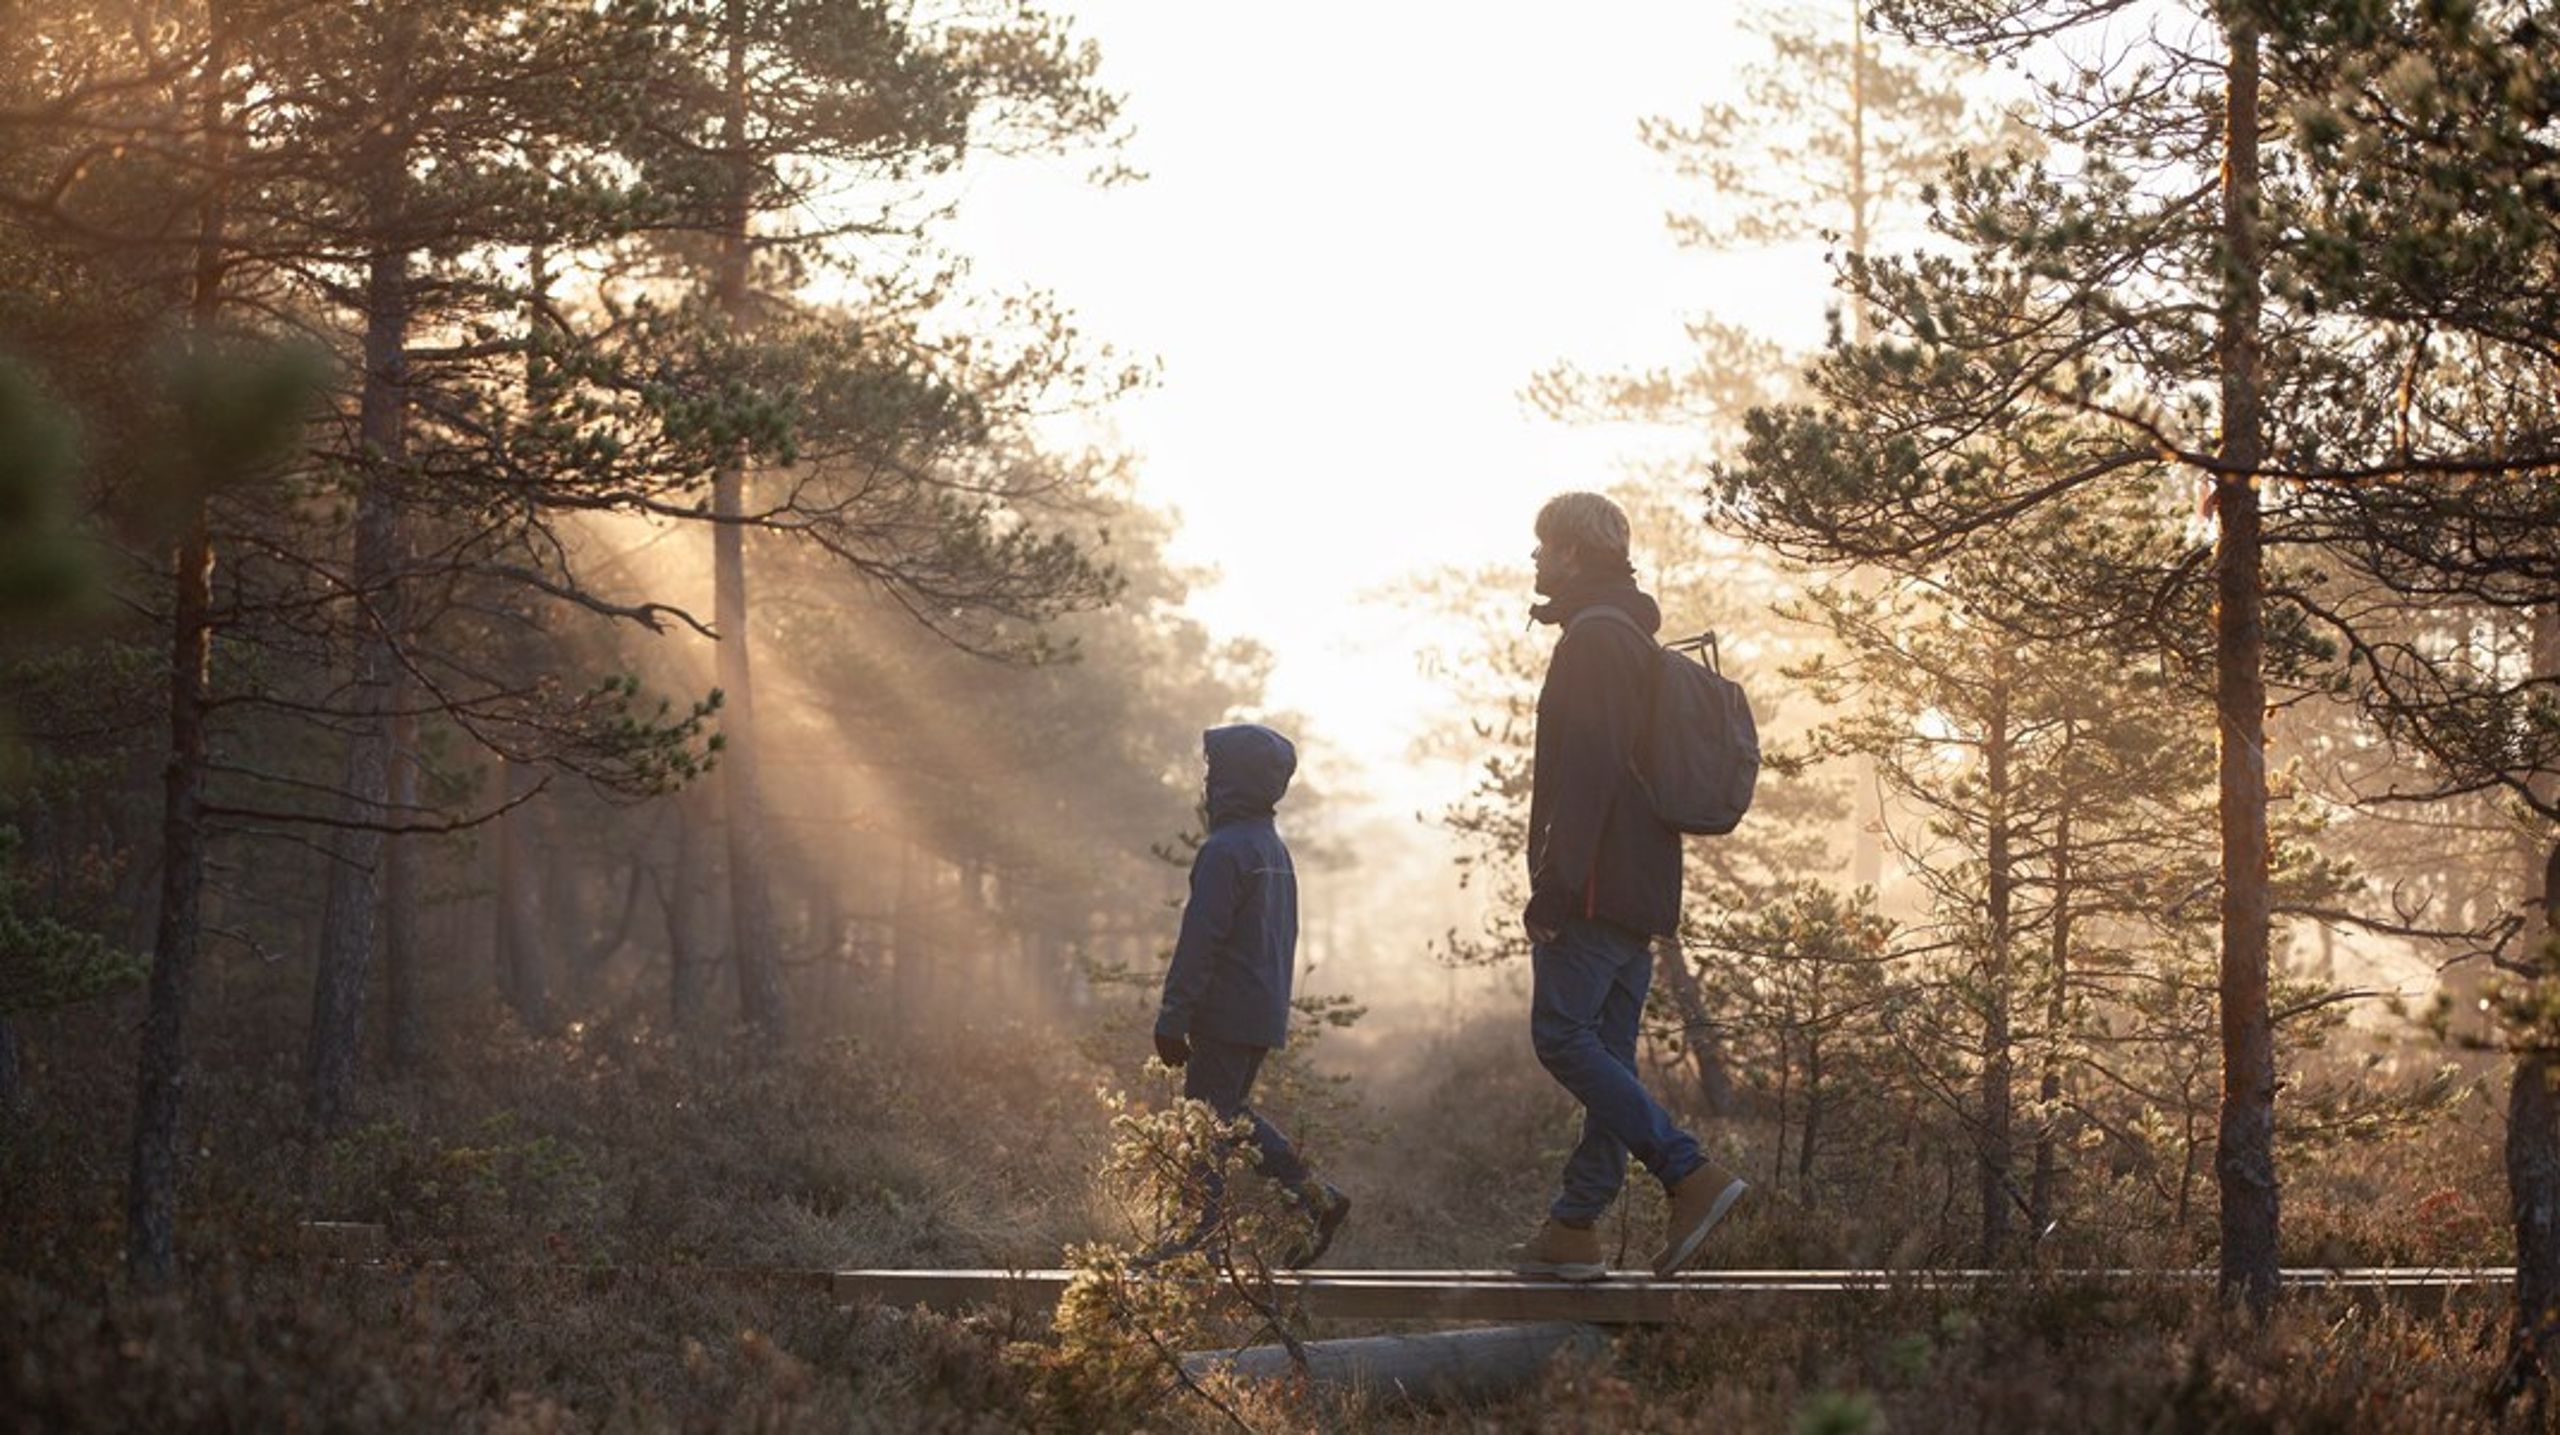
[(1249, 768)]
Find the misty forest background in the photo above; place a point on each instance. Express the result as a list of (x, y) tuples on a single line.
[(562, 694)]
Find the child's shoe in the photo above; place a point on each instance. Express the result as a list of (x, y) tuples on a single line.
[(1325, 1207)]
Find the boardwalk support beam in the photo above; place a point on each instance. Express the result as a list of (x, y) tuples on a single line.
[(1440, 1368)]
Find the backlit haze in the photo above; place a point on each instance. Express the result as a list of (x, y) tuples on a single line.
[(1364, 227)]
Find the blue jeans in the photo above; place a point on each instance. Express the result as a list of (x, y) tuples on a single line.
[(1221, 1073), (1584, 1009)]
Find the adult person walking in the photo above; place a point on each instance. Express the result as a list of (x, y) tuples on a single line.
[(1604, 880)]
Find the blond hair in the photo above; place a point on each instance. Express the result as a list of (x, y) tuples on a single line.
[(1586, 522)]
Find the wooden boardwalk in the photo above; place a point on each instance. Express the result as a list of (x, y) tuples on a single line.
[(1625, 1299)]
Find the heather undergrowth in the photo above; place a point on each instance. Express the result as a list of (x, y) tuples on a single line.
[(565, 1218)]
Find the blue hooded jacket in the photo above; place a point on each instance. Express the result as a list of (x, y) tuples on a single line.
[(1238, 950)]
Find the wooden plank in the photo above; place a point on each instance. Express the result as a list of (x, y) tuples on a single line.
[(1482, 1295), (2305, 1275), (1618, 1300)]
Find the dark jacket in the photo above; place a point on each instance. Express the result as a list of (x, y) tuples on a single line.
[(1595, 847), (1233, 963)]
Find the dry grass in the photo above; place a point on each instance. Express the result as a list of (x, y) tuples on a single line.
[(508, 1178)]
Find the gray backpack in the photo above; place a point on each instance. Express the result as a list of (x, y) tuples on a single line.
[(1699, 755)]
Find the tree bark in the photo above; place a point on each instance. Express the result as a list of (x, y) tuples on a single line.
[(910, 981), (355, 878), (151, 1193), (1706, 1057), (1866, 799), (405, 1019), (688, 964), (2043, 1187), (1816, 1101), (151, 1190), (752, 942), (1998, 1065), (2244, 1160), (2533, 1105), (2533, 1174), (1861, 201), (13, 1090), (592, 942), (568, 930), (522, 973)]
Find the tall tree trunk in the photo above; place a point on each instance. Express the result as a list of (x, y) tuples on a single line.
[(151, 1191), (1861, 197), (592, 947), (688, 963), (910, 982), (355, 878), (2533, 1173), (568, 930), (834, 963), (13, 1090), (2042, 1188), (1866, 798), (523, 974), (1816, 1099), (1697, 1038), (1998, 1137), (2244, 1159), (2533, 1105), (405, 1021), (518, 963), (1786, 1080), (753, 947), (752, 943)]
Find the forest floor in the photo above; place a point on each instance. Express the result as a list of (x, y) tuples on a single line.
[(507, 1179)]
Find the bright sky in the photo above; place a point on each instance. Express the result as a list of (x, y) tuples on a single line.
[(1366, 225)]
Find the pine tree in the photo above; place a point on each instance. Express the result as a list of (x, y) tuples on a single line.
[(786, 132), (2078, 293)]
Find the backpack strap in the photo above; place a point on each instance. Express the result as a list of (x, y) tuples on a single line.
[(1604, 610), (1652, 685), (1704, 644)]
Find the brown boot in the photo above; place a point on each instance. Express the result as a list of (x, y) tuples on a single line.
[(1699, 1201), (1565, 1252)]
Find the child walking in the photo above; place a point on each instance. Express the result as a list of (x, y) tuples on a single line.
[(1226, 996)]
